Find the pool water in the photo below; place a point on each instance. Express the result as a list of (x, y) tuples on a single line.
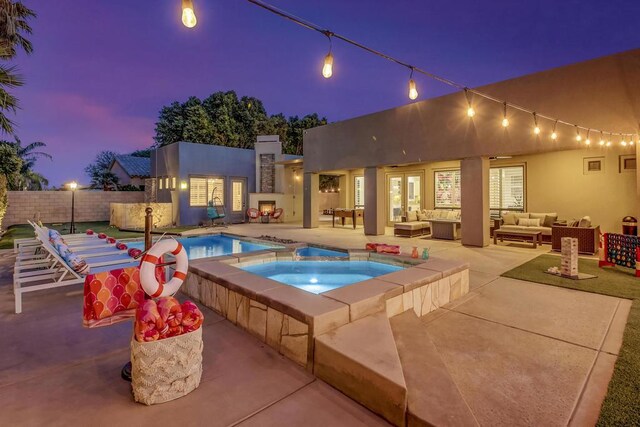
[(321, 276), (214, 245), (313, 251)]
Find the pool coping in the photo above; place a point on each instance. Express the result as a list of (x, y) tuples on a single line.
[(288, 318)]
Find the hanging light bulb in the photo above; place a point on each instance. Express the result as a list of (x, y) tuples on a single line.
[(413, 92), (588, 140), (578, 137), (623, 141), (536, 128), (327, 69), (470, 111), (554, 135), (601, 138), (505, 121), (188, 15)]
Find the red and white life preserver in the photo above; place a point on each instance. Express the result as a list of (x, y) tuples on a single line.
[(148, 268)]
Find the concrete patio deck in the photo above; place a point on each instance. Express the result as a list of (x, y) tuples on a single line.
[(509, 353), (55, 372)]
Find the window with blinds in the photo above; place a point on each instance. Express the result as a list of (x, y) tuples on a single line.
[(447, 189), (216, 189), (506, 189), (358, 199), (197, 191)]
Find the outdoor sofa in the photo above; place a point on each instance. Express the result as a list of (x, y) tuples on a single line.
[(418, 223), (528, 221), (588, 236)]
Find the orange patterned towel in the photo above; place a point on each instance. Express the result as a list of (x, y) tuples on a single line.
[(111, 296), (192, 317), (388, 249), (149, 324), (171, 314)]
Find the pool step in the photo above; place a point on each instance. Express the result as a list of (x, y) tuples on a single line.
[(433, 397), (361, 360)]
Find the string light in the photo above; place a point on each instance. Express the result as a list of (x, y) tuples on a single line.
[(413, 92), (505, 121), (536, 129), (578, 137), (188, 14), (601, 138), (327, 69), (470, 111), (588, 141), (623, 141)]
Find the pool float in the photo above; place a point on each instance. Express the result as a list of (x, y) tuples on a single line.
[(148, 268)]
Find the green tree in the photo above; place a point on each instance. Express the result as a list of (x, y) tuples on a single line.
[(10, 165), (170, 124), (100, 171), (145, 152), (14, 25), (198, 127), (295, 131), (27, 178)]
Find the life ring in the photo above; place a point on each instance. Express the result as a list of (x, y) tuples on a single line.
[(150, 261)]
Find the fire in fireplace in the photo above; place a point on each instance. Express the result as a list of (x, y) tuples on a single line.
[(266, 206)]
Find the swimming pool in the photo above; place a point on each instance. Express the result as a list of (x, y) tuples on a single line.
[(213, 245), (312, 251), (320, 276)]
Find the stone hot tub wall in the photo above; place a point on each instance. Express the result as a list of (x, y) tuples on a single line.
[(288, 319)]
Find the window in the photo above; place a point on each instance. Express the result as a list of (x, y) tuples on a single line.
[(358, 199), (173, 182), (166, 182), (592, 165), (447, 189), (236, 196), (628, 163), (198, 191), (160, 181), (506, 189), (215, 189)]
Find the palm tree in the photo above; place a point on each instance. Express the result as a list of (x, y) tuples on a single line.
[(27, 178), (13, 27)]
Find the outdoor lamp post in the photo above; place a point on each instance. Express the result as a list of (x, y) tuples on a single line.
[(73, 186)]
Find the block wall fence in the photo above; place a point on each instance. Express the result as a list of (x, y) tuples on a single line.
[(55, 206)]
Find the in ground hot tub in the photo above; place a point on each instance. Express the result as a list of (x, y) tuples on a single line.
[(321, 276)]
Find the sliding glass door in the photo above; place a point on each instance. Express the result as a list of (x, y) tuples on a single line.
[(404, 193)]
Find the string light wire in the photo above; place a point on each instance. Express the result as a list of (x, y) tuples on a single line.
[(312, 26)]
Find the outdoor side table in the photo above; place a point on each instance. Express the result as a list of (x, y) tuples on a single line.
[(445, 229)]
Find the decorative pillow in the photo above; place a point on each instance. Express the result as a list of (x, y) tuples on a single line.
[(78, 265), (442, 214), (520, 215), (422, 216), (509, 219), (431, 214), (529, 222), (549, 220), (573, 223), (452, 215), (412, 216), (585, 222)]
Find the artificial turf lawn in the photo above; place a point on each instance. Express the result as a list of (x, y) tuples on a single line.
[(25, 230), (621, 406)]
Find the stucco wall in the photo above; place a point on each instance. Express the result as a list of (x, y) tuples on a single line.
[(600, 94), (55, 206), (132, 215)]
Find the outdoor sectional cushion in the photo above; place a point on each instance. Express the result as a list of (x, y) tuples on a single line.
[(546, 231), (529, 222), (412, 215), (549, 220), (411, 225), (519, 215), (509, 219)]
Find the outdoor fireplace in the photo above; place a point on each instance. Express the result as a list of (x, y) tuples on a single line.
[(266, 206)]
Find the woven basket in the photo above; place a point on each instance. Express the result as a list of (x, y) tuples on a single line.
[(166, 369)]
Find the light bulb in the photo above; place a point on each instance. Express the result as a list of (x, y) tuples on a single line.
[(554, 135), (327, 70), (608, 143), (471, 112), (505, 122), (578, 138), (601, 142), (587, 141), (631, 142), (624, 143), (536, 130), (188, 15), (413, 92)]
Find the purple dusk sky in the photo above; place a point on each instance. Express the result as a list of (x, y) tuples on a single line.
[(102, 70)]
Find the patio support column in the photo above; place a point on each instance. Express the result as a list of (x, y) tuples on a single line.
[(344, 191), (475, 201), (310, 207), (374, 202)]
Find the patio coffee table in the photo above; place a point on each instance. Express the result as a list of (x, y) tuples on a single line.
[(534, 237), (444, 229)]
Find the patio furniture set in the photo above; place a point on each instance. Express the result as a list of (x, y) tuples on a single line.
[(537, 228), (254, 215)]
